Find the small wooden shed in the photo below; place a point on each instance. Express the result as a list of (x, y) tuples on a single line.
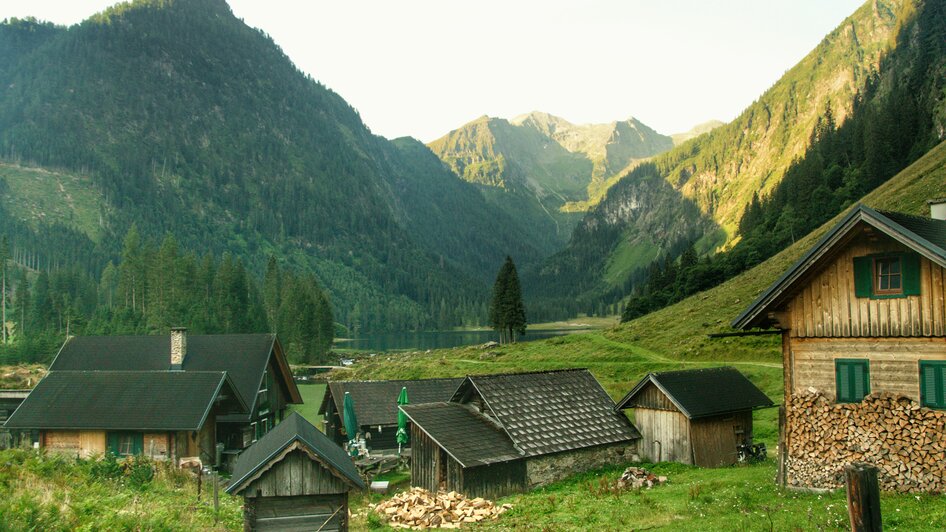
[(697, 416), (294, 478)]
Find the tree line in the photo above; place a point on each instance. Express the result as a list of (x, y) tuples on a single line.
[(154, 286)]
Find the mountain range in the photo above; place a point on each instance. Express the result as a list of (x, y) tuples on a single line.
[(178, 118)]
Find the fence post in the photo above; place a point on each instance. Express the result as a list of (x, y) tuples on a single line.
[(863, 497)]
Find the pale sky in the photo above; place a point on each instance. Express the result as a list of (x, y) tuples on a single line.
[(425, 67)]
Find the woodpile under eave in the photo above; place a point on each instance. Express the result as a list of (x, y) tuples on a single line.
[(907, 442)]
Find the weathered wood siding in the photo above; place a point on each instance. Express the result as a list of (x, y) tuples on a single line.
[(715, 439), (665, 435), (894, 362), (91, 443), (66, 441), (493, 481), (827, 306), (651, 397), (296, 474), (425, 460), (297, 514)]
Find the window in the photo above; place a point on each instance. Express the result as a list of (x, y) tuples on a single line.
[(933, 383), (125, 443), (853, 379), (887, 275)]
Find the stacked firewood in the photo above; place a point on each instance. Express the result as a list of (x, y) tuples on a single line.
[(638, 478), (418, 508), (905, 441)]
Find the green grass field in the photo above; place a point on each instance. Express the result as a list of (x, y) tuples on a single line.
[(311, 400)]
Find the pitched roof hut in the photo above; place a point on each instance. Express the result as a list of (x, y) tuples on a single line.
[(502, 434), (295, 478), (863, 322), (697, 416), (376, 406)]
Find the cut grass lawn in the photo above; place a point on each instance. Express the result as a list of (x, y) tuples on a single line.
[(312, 395)]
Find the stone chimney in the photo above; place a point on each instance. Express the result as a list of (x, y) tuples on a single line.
[(178, 347), (937, 208)]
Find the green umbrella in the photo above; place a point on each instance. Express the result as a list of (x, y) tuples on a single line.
[(402, 436), (351, 422)]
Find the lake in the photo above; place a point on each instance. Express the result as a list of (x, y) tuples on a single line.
[(422, 341)]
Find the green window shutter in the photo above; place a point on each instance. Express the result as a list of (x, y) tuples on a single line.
[(911, 274), (138, 443), (863, 276), (853, 379), (111, 442), (933, 384)]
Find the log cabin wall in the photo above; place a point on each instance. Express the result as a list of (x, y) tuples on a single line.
[(827, 306), (894, 362)]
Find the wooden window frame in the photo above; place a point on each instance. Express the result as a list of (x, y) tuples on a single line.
[(877, 274), (938, 401), (838, 362)]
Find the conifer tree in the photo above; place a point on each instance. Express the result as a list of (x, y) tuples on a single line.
[(507, 314)]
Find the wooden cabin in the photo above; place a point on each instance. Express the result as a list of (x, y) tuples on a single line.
[(295, 478), (502, 434), (698, 416), (863, 321), (376, 406), (176, 372), (162, 414)]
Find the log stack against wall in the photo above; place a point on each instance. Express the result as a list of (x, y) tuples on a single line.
[(905, 441)]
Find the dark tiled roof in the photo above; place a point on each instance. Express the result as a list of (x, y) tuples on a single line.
[(123, 400), (704, 392), (923, 235), (376, 401), (293, 428), (552, 411), (933, 231), (467, 435), (242, 356)]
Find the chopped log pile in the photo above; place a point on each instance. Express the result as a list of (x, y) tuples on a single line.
[(905, 441), (638, 478), (419, 509)]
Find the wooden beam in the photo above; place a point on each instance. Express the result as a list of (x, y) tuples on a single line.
[(745, 333)]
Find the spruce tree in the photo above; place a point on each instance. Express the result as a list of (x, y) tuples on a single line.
[(507, 314)]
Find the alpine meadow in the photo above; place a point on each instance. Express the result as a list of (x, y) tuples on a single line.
[(735, 321)]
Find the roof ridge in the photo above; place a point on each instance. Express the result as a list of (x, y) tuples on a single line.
[(536, 372)]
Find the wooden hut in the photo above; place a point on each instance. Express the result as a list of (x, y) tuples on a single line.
[(376, 406), (502, 434), (697, 416), (863, 322), (294, 478)]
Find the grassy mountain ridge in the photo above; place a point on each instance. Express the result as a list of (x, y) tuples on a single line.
[(860, 107), (547, 168), (187, 121)]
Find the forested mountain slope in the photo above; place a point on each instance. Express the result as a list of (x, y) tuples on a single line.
[(543, 168), (861, 106), (179, 117)]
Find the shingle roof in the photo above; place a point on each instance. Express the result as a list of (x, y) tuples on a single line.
[(242, 356), (551, 411), (703, 392), (923, 235), (292, 429), (467, 435), (123, 400), (376, 401)]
